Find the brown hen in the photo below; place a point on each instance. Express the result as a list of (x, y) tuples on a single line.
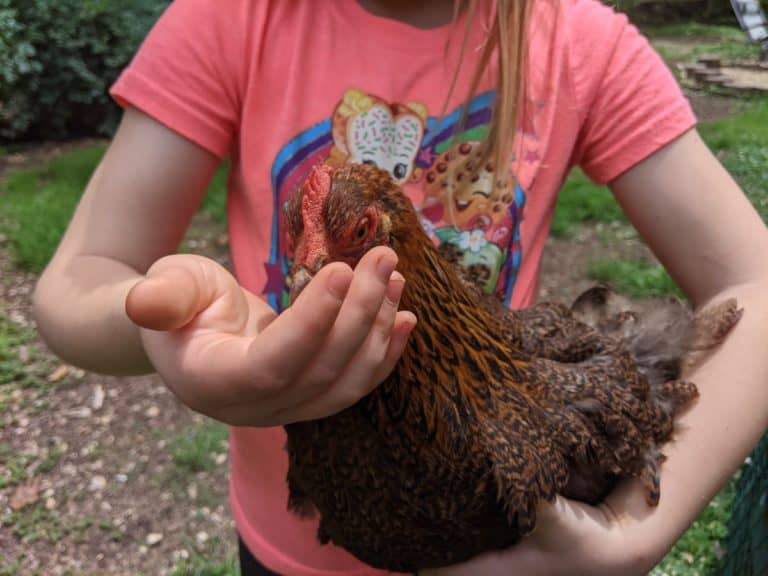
[(489, 411)]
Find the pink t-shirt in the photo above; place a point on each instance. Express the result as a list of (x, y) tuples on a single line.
[(281, 85)]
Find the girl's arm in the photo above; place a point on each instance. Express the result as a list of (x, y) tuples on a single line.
[(715, 246), (221, 349), (135, 209)]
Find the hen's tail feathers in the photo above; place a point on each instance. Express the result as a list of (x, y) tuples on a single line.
[(666, 339), (712, 326)]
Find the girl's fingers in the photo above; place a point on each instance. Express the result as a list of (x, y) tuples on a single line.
[(354, 385), (369, 369), (359, 376), (283, 350), (405, 322), (375, 359), (365, 311), (340, 338)]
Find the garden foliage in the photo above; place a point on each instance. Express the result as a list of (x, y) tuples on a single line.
[(58, 59)]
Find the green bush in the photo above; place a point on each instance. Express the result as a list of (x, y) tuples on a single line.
[(677, 11), (58, 59)]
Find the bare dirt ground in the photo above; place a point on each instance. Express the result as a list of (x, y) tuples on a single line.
[(566, 260), (711, 106), (88, 482), (100, 493)]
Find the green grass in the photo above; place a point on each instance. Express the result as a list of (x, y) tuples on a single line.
[(685, 42), (13, 372), (201, 565), (37, 203), (748, 127), (727, 50), (742, 145), (215, 201), (113, 532), (14, 467), (694, 30), (695, 553), (35, 523), (195, 450), (214, 558), (635, 279), (8, 569), (51, 460), (11, 337), (581, 202), (697, 39)]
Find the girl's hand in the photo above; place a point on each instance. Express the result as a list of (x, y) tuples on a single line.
[(224, 352), (571, 539)]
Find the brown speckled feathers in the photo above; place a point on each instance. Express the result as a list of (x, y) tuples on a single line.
[(489, 411)]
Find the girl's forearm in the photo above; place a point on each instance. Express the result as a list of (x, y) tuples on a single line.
[(713, 437), (79, 306), (135, 210)]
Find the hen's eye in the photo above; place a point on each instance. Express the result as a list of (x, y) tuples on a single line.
[(400, 170), (370, 162), (361, 233)]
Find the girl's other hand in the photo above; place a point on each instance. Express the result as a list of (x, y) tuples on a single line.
[(225, 353), (570, 539)]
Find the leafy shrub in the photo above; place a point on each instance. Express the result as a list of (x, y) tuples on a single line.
[(58, 59), (669, 11)]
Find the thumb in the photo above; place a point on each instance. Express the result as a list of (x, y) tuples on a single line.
[(167, 299), (179, 287)]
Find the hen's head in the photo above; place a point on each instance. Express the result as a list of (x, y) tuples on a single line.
[(339, 214)]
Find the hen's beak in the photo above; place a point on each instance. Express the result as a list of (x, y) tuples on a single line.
[(298, 279)]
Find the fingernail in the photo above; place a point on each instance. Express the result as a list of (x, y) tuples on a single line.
[(146, 281), (395, 287), (384, 267), (338, 283)]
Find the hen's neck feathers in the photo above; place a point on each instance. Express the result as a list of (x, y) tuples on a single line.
[(457, 359), (445, 308)]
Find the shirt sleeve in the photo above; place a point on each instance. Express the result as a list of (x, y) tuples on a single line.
[(189, 71), (631, 103)]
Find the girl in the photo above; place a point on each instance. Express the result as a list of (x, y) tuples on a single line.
[(479, 110)]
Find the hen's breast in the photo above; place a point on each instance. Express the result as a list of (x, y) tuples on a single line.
[(387, 488)]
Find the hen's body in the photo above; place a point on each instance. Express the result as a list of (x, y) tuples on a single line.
[(488, 412)]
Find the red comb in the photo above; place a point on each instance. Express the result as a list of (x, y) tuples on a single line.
[(318, 183), (316, 189)]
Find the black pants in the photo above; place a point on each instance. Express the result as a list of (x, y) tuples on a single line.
[(249, 566)]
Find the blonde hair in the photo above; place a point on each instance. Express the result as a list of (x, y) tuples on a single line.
[(507, 38)]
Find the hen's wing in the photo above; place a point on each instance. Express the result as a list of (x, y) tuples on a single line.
[(613, 410), (544, 330), (526, 467)]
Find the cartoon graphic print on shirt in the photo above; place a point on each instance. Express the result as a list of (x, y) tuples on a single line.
[(461, 192), (368, 130), (463, 203)]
